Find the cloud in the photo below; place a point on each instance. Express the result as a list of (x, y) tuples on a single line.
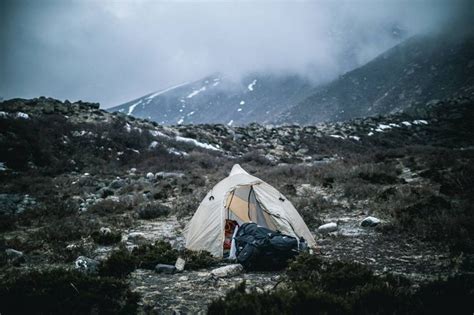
[(113, 51)]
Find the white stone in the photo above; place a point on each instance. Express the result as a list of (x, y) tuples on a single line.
[(370, 222), (228, 271), (328, 227), (179, 265)]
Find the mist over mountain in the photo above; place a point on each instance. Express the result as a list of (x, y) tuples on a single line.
[(116, 51)]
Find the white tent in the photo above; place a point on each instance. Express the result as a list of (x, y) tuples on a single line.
[(243, 198)]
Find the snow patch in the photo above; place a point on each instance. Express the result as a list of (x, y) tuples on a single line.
[(239, 110), (176, 152), (132, 107), (196, 92), (406, 123), (242, 102), (337, 136), (197, 143), (383, 127), (153, 145), (3, 167), (230, 122), (251, 85), (165, 90), (156, 133), (22, 115), (181, 121), (370, 134), (420, 122), (356, 138), (191, 113)]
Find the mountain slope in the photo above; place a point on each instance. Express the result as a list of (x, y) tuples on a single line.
[(418, 70), (215, 99)]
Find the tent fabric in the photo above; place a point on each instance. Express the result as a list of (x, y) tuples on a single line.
[(244, 198)]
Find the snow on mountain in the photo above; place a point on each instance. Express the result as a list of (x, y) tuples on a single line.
[(217, 99)]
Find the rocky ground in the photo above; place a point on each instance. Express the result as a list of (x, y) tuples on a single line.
[(78, 181)]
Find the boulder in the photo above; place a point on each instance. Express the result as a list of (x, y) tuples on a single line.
[(87, 265), (14, 257), (328, 227), (162, 268), (370, 222), (116, 184), (228, 271), (180, 263), (105, 231)]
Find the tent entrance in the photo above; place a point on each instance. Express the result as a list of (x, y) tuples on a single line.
[(242, 206)]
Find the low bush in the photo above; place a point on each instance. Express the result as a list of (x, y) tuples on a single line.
[(147, 256), (198, 259), (153, 210), (106, 207), (61, 291), (106, 238), (119, 264), (315, 285)]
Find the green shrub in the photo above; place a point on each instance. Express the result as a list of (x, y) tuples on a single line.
[(153, 211), (103, 238), (198, 259), (149, 255), (61, 291), (119, 264), (106, 207)]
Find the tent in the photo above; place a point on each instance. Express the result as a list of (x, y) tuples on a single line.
[(243, 198)]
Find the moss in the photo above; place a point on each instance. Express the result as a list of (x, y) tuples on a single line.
[(62, 291)]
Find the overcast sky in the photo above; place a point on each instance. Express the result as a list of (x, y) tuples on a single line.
[(114, 51)]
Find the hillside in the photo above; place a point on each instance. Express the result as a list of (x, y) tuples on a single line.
[(217, 99), (416, 71), (80, 184)]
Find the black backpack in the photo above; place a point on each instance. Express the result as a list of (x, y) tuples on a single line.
[(259, 248)]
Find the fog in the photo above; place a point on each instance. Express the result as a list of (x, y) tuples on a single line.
[(114, 51)]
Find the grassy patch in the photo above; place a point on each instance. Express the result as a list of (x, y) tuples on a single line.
[(64, 292), (314, 285)]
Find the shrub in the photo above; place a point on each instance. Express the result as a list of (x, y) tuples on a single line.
[(61, 291), (198, 259), (149, 255), (153, 211), (105, 207), (119, 264), (106, 238), (329, 288)]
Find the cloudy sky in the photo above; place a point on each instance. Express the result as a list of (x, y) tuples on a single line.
[(112, 51)]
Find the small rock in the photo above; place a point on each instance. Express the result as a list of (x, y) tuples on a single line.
[(180, 262), (105, 231), (116, 184), (87, 265), (162, 268), (328, 227), (370, 222), (228, 271), (14, 257), (136, 236)]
